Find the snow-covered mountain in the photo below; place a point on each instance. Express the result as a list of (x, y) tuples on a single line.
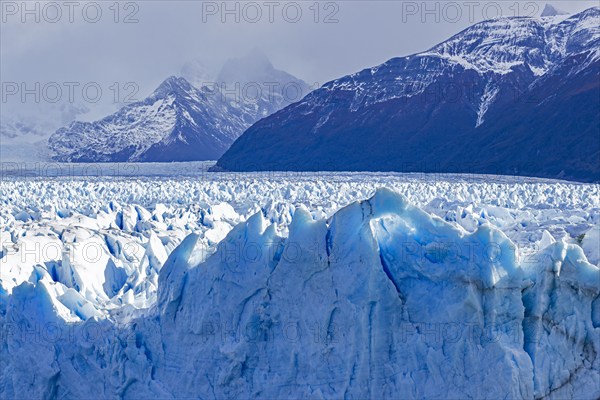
[(178, 122), (253, 80), (511, 95), (21, 141), (551, 11), (197, 73), (24, 133)]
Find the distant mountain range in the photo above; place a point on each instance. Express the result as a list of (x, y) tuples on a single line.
[(512, 95), (181, 122)]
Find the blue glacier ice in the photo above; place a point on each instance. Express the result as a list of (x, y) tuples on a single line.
[(382, 300)]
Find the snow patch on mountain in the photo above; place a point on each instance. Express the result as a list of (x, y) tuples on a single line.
[(492, 48), (488, 97), (540, 43)]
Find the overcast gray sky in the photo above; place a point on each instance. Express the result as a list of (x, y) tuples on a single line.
[(146, 41)]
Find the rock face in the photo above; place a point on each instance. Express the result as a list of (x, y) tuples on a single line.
[(181, 122), (382, 300), (506, 96)]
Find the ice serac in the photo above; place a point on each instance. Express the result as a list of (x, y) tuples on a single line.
[(382, 300), (513, 96), (561, 325)]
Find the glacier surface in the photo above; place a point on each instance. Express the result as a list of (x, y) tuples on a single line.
[(299, 285)]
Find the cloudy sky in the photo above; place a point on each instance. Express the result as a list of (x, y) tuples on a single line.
[(145, 41)]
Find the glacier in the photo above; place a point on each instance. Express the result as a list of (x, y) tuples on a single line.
[(245, 286)]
